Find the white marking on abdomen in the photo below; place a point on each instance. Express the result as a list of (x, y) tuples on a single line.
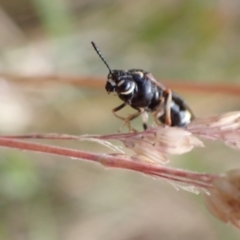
[(187, 117)]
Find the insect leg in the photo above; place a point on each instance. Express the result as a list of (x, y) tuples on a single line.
[(126, 120), (159, 111), (164, 108), (116, 109), (130, 118), (145, 120), (167, 106)]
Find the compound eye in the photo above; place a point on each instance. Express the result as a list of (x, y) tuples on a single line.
[(110, 85)]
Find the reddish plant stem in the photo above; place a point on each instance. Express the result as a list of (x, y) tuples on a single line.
[(113, 161), (99, 82)]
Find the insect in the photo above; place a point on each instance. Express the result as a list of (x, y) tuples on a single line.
[(140, 90)]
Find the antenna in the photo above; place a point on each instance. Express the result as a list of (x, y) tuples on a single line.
[(100, 55)]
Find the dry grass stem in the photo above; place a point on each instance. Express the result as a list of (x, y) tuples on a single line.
[(151, 151), (116, 161)]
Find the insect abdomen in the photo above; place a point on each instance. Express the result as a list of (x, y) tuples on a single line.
[(180, 117)]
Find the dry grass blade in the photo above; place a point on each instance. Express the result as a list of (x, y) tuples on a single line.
[(224, 127)]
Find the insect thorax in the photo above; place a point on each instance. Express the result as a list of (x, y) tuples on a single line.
[(134, 88)]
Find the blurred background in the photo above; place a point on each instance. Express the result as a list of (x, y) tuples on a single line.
[(48, 197)]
